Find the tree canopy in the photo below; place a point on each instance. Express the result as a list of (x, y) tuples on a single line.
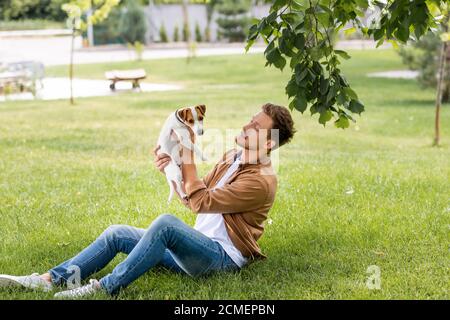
[(299, 34)]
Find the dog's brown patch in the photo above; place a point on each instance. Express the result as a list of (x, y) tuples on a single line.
[(201, 110), (186, 115)]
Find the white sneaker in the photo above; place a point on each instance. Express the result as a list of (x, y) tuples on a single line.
[(86, 290), (33, 281)]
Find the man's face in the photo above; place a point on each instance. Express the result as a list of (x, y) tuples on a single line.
[(254, 135)]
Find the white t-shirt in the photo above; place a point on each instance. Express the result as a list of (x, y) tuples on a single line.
[(213, 225)]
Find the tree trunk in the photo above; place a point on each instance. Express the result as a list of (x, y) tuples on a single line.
[(446, 93), (186, 23), (71, 68), (440, 89)]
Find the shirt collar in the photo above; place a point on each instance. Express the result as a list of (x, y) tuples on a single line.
[(237, 156)]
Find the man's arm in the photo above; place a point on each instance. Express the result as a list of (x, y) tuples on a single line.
[(188, 168), (244, 194)]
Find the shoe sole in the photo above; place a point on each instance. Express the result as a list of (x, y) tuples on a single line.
[(9, 282)]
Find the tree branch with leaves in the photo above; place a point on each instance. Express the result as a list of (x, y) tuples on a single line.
[(78, 20), (298, 34)]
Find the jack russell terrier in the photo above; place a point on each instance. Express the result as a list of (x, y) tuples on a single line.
[(177, 123)]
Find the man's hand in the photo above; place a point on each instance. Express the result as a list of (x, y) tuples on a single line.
[(161, 160)]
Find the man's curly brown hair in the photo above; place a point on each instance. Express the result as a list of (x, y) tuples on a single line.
[(282, 120)]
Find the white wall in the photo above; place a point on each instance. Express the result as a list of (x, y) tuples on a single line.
[(172, 15), (38, 45)]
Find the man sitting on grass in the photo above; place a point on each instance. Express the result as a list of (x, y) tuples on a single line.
[(232, 203)]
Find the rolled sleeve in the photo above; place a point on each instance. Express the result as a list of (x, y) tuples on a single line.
[(194, 187), (243, 194)]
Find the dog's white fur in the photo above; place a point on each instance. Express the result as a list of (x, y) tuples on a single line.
[(169, 145)]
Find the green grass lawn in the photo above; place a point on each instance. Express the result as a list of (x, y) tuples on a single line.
[(374, 194)]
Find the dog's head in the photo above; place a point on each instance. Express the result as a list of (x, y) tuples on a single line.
[(193, 117)]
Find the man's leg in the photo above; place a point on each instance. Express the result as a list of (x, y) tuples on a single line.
[(115, 239), (193, 252)]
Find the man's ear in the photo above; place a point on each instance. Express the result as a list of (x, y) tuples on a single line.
[(270, 145), (201, 108)]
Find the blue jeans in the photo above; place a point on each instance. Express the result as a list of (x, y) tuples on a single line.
[(168, 242)]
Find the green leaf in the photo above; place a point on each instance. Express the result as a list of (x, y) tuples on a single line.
[(362, 3), (342, 122), (331, 94), (278, 4), (264, 28), (270, 46), (273, 55), (349, 31), (379, 43), (292, 105), (316, 53), (342, 81), (341, 98), (355, 106), (295, 60), (325, 117), (297, 5), (313, 109), (299, 76), (394, 44), (292, 19), (249, 44), (280, 63), (324, 19), (325, 9), (284, 44), (299, 41), (350, 93), (324, 85), (402, 33), (253, 32), (342, 54), (271, 17), (291, 88), (378, 34), (300, 103)]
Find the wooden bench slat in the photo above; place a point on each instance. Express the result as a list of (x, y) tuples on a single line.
[(125, 75)]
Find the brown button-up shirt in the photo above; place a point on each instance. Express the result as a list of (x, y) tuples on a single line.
[(244, 200)]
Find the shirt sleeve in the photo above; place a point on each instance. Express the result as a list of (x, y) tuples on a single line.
[(246, 193)]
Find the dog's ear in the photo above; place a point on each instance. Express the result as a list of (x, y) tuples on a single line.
[(183, 113), (201, 109)]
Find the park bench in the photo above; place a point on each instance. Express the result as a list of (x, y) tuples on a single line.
[(125, 75)]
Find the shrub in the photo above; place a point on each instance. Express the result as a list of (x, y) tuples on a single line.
[(198, 34), (186, 32), (423, 56), (106, 32), (176, 34), (234, 20), (207, 34), (163, 34), (133, 24), (32, 9)]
